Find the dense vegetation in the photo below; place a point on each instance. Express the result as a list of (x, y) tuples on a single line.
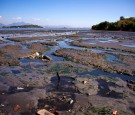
[(23, 26), (124, 24)]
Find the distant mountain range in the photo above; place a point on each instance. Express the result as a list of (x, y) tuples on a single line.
[(18, 24), (25, 25), (1, 25), (15, 24)]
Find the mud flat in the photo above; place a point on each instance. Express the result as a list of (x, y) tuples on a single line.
[(124, 64), (11, 54), (77, 94), (76, 80), (24, 39), (113, 46)]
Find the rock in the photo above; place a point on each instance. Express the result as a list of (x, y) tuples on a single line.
[(33, 56), (46, 57), (44, 112), (89, 87), (20, 88), (88, 94), (2, 105), (36, 54), (131, 85), (17, 108), (71, 101), (132, 82), (64, 97), (53, 110), (114, 113), (85, 81), (28, 85), (46, 106)]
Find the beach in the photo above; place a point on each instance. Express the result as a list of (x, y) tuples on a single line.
[(67, 72)]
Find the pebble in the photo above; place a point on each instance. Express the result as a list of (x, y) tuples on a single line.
[(2, 105), (17, 108), (71, 101), (46, 106)]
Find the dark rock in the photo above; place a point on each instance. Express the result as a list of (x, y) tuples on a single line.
[(46, 57)]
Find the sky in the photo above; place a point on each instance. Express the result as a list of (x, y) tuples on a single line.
[(72, 13)]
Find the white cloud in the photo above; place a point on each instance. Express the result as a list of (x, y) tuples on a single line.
[(35, 19), (0, 17), (127, 16), (17, 18)]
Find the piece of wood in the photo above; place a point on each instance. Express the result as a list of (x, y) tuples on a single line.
[(58, 83)]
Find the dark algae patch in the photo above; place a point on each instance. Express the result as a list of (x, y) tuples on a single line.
[(99, 111)]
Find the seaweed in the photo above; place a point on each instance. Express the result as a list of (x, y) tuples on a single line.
[(64, 69), (99, 111)]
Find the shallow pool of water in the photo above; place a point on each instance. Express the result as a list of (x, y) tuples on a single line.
[(111, 58), (129, 45), (108, 41), (38, 34), (26, 60), (61, 44), (99, 73)]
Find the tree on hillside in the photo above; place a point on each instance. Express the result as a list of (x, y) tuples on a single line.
[(101, 26), (122, 18)]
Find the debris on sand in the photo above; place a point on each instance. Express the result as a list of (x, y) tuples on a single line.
[(44, 112), (53, 110), (33, 56), (71, 101), (85, 81), (17, 108), (37, 55), (20, 88), (114, 112)]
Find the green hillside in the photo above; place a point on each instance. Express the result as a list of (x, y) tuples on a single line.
[(124, 24)]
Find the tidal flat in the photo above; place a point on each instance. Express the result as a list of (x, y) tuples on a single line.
[(67, 72)]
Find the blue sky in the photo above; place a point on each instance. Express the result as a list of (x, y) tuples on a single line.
[(74, 13)]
